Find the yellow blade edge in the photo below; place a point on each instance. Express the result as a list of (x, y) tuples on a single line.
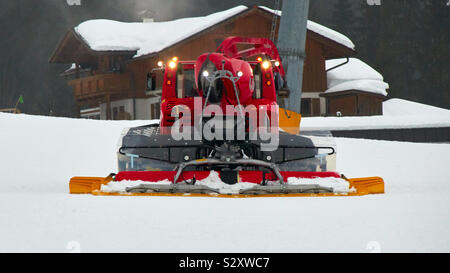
[(85, 185), (367, 185), (289, 121)]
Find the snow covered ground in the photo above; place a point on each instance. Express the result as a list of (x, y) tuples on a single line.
[(40, 154)]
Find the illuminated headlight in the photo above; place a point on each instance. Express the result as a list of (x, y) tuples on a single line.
[(240, 74), (265, 64), (277, 63), (205, 73), (172, 64), (160, 63)]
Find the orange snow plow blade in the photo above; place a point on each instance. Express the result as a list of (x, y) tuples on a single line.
[(367, 185), (84, 185), (289, 121), (92, 185)]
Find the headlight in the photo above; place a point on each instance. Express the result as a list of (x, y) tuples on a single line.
[(172, 64)]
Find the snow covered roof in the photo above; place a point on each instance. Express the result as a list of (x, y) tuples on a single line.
[(151, 37), (354, 75), (146, 38), (355, 69), (370, 86), (321, 30)]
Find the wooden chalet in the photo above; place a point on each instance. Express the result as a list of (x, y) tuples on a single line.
[(121, 84)]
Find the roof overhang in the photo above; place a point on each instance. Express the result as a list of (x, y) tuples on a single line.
[(351, 92), (332, 49), (73, 49)]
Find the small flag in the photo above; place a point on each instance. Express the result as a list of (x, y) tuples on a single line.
[(21, 100)]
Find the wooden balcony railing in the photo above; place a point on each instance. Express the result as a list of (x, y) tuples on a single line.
[(99, 85)]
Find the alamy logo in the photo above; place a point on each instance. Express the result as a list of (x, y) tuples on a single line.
[(73, 2), (73, 247), (374, 2), (373, 247), (262, 123)]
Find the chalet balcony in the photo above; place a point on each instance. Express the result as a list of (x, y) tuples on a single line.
[(100, 85)]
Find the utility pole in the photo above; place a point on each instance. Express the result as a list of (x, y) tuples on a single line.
[(291, 47)]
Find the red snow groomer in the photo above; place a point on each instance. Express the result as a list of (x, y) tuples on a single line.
[(221, 133)]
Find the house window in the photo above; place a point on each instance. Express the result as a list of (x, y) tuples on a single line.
[(119, 113), (114, 64), (151, 82), (115, 113), (155, 109), (158, 110), (306, 107)]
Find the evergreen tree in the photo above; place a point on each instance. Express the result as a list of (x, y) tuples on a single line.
[(437, 51), (344, 17)]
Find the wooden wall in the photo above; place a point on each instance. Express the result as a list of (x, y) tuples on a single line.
[(314, 75), (354, 103)]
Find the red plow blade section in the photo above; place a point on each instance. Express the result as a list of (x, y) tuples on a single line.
[(241, 176)]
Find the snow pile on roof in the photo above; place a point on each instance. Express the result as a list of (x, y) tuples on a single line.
[(371, 86), (146, 38), (354, 75), (321, 30)]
